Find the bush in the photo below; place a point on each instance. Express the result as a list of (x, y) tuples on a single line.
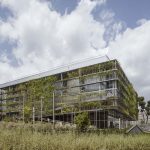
[(82, 121)]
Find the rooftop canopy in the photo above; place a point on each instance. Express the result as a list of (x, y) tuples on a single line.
[(60, 69)]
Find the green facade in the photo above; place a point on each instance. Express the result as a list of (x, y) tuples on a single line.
[(101, 89)]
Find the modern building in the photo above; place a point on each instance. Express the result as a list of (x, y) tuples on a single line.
[(97, 85)]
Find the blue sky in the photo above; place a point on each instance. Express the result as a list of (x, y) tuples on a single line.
[(36, 35), (129, 11)]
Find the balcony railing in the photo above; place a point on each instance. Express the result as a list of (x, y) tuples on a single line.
[(87, 96)]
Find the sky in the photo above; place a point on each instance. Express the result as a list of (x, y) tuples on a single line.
[(36, 35)]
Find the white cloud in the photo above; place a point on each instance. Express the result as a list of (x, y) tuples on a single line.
[(45, 39), (132, 48)]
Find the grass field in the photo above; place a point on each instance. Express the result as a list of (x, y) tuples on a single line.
[(24, 138)]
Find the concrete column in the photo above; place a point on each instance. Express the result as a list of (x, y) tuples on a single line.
[(119, 123)]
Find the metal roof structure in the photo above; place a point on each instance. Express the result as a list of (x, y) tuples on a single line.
[(57, 70), (134, 130)]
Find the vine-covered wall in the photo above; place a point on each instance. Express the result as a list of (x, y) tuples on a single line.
[(98, 86), (127, 98)]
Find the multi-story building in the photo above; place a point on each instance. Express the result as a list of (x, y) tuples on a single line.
[(98, 86)]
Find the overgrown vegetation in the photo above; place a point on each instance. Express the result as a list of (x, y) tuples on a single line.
[(23, 137), (34, 96), (129, 104)]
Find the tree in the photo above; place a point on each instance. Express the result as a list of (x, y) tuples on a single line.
[(82, 121), (147, 108), (142, 105), (141, 102)]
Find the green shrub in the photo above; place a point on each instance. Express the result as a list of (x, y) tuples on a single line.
[(82, 121)]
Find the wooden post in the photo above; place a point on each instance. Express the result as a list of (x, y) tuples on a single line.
[(119, 123), (96, 118), (53, 110), (126, 123), (41, 109), (23, 108), (33, 114)]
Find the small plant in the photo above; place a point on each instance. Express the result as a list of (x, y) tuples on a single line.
[(73, 74), (27, 112), (7, 119)]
